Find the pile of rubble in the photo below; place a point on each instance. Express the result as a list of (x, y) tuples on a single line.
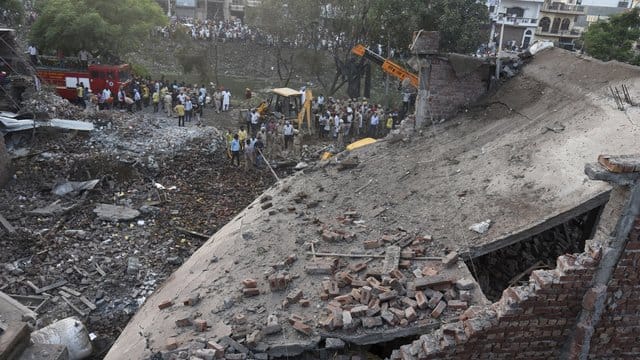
[(94, 222)]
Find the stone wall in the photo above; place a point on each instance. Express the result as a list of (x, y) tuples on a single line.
[(5, 163), (586, 308)]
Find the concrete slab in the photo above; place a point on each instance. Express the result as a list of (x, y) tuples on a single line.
[(517, 159)]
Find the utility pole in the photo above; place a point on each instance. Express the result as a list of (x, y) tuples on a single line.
[(168, 8), (498, 62)]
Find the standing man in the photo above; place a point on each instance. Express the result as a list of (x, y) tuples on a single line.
[(137, 99), (179, 109), (80, 95), (168, 99), (375, 120), (33, 54), (83, 55), (156, 100), (255, 119), (188, 108), (288, 134), (217, 101), (226, 98), (235, 150)]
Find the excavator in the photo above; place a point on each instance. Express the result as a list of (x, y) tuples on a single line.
[(387, 65)]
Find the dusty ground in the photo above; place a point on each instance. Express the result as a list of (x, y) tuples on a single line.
[(516, 159)]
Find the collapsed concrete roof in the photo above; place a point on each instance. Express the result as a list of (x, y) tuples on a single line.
[(516, 159)]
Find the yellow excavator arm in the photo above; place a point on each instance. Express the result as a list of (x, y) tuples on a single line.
[(387, 65)]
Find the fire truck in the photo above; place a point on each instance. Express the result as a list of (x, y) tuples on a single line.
[(96, 77)]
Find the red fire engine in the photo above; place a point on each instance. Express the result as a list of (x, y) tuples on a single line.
[(95, 77)]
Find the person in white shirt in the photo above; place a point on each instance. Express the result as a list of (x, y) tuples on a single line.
[(255, 119), (336, 125), (106, 94), (375, 120), (320, 101), (226, 98), (288, 134), (33, 54)]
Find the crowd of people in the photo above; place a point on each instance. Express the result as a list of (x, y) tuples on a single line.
[(339, 121), (235, 30)]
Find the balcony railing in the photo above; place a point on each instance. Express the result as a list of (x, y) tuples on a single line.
[(518, 21), (563, 8), (573, 33)]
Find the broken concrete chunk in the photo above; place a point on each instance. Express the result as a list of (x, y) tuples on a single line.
[(115, 213), (450, 259), (133, 265), (319, 268), (334, 344), (481, 227), (465, 284), (192, 300)]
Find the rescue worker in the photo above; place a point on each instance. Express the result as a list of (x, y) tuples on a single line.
[(80, 95)]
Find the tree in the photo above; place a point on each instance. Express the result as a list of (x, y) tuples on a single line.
[(103, 27), (289, 26), (12, 12), (613, 39), (462, 24)]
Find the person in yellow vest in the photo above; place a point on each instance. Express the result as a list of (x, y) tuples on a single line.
[(80, 95), (229, 138), (242, 136), (156, 101), (389, 123), (145, 95), (179, 109)]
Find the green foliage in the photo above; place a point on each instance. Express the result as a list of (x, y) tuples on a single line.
[(14, 12), (462, 24), (613, 39), (140, 70), (104, 27)]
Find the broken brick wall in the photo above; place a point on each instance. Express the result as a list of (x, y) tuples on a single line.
[(617, 334), (5, 163), (449, 91), (528, 322), (540, 320)]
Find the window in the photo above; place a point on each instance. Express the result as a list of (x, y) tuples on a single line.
[(556, 26), (517, 11), (545, 23), (566, 23)]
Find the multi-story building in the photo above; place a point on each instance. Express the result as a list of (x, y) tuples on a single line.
[(208, 9), (558, 22), (517, 20)]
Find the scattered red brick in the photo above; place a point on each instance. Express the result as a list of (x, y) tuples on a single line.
[(165, 304)]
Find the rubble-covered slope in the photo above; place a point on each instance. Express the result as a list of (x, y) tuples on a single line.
[(516, 159)]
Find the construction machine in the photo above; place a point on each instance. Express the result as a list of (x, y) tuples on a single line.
[(387, 65)]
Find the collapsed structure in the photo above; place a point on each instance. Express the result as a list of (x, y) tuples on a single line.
[(374, 245)]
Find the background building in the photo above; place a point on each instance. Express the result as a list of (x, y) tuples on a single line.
[(558, 22), (520, 19)]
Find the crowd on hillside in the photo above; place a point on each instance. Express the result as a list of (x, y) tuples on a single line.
[(236, 31)]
